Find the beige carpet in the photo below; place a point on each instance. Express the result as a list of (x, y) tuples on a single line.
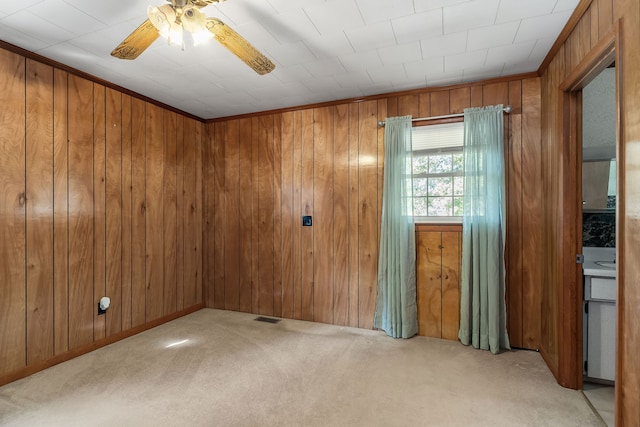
[(225, 369)]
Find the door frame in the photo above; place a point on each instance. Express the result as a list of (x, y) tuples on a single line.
[(570, 292)]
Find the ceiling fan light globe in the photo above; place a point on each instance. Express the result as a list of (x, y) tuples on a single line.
[(193, 20), (161, 19)]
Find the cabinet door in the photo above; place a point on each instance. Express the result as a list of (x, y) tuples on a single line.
[(429, 283), (601, 340)]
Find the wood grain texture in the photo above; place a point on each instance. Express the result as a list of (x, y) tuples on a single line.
[(323, 199), (60, 215), (170, 214), (367, 206), (138, 221), (429, 283), (181, 213), (39, 212), (12, 211), (127, 212), (289, 221), (440, 103), (198, 291), (409, 105), (113, 206), (99, 207), (230, 278), (307, 205), (265, 215), (451, 276), (191, 246), (354, 214), (296, 257), (81, 224), (424, 104), (209, 212), (341, 237), (459, 99), (255, 203), (277, 215), (222, 234), (245, 214), (154, 252)]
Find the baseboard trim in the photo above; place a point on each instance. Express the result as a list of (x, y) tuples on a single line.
[(44, 364)]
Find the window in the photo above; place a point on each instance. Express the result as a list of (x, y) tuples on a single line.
[(437, 172)]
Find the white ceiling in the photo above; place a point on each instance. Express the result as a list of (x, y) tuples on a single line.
[(323, 50)]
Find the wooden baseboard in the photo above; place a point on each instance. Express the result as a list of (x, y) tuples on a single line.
[(44, 364)]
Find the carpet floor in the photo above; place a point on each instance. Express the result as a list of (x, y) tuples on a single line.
[(221, 368)]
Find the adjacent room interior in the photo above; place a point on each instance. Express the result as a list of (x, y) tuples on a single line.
[(193, 198)]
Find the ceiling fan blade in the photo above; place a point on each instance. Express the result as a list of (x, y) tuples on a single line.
[(136, 43), (239, 46)]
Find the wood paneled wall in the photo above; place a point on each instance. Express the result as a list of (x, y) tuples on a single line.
[(100, 195), (263, 173), (595, 19)]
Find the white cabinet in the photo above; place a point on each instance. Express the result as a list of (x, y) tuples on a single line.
[(600, 325)]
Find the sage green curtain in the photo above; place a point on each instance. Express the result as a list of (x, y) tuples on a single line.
[(396, 311), (482, 297)]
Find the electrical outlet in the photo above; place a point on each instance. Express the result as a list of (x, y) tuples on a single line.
[(307, 221)]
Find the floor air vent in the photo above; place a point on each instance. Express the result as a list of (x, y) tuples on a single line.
[(267, 319)]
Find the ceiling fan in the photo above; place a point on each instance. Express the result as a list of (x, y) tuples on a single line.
[(172, 20)]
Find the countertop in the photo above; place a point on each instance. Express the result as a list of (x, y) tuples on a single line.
[(590, 268)]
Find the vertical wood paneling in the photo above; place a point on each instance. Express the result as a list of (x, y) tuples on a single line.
[(39, 229), (255, 207), (450, 308), (605, 16), (459, 99), (424, 105), (231, 256), (513, 245), (307, 233), (154, 203), (245, 214), (81, 225), (209, 223), (198, 214), (12, 211), (138, 226), (440, 103), (409, 105), (476, 96), (127, 212), (170, 217), (191, 246), (296, 256), (181, 212), (323, 199), (354, 214), (114, 193), (220, 196), (341, 237), (429, 283), (288, 218), (265, 215), (60, 215), (99, 207), (277, 215), (368, 204)]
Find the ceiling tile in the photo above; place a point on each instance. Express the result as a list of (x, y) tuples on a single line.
[(26, 22), (282, 6), (335, 15), (473, 14), (549, 25), (445, 45), (290, 53), (563, 5), (10, 7), (361, 61), (528, 66), (542, 47), (329, 45), (509, 54), (292, 74), (515, 10), (113, 11), (387, 73), (18, 38), (418, 27), (66, 16), (425, 67), (465, 60), (371, 37), (397, 54), (290, 26), (494, 35), (444, 79), (424, 5), (353, 79), (325, 67), (481, 73), (382, 10)]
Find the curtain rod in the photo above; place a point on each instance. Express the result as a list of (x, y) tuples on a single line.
[(506, 109)]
